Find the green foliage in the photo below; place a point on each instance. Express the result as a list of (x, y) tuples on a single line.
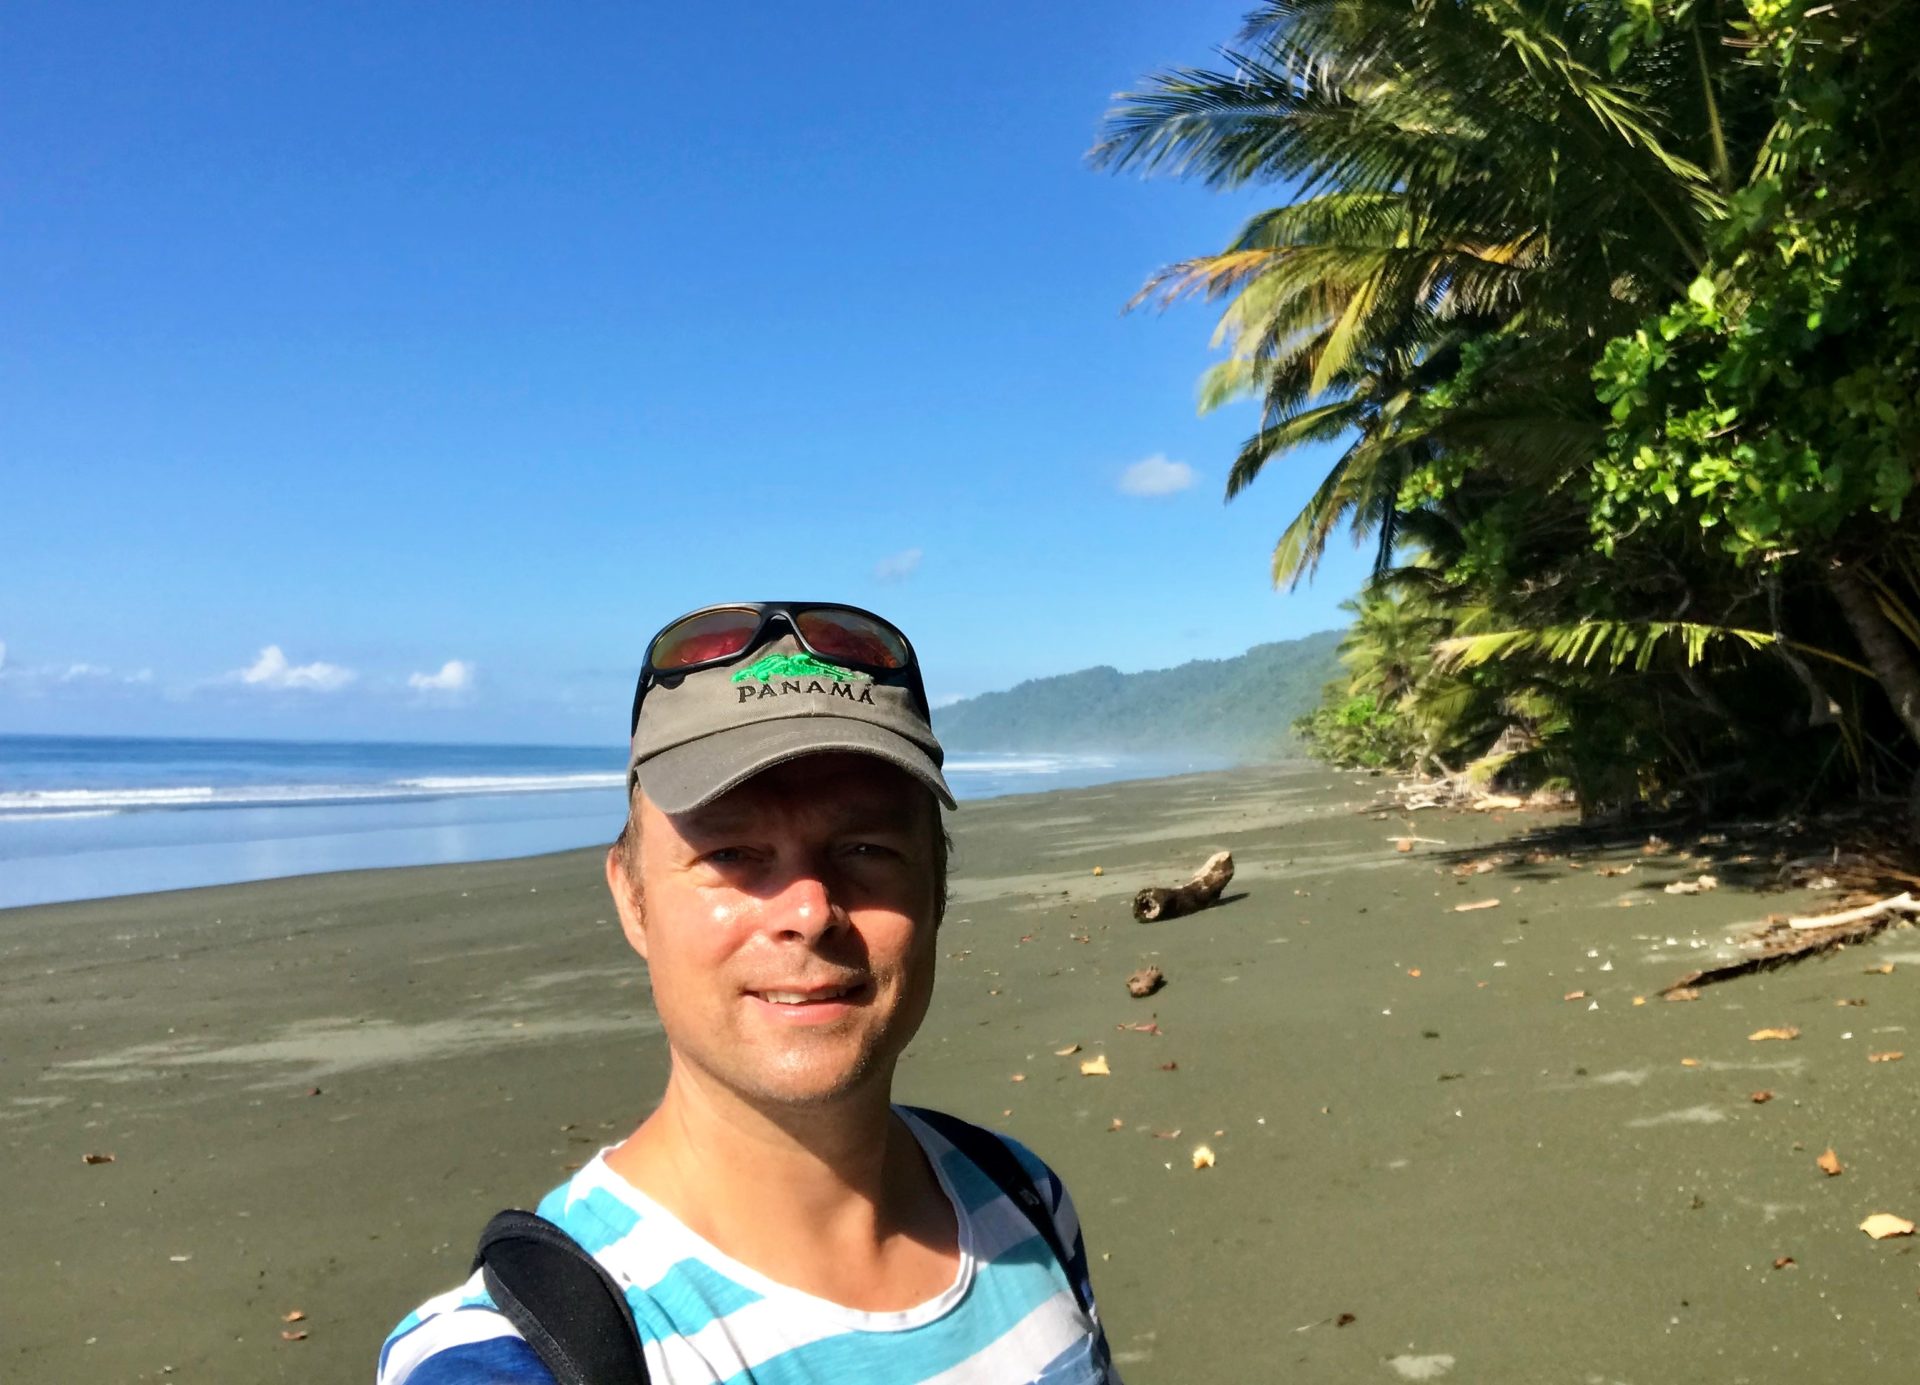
[(1356, 731), (1612, 310), (1778, 403)]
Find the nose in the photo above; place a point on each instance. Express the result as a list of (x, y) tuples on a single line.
[(804, 910)]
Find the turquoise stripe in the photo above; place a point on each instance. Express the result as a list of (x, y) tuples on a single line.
[(596, 1220), (688, 1296), (691, 1295)]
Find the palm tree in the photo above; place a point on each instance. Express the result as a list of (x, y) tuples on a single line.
[(1466, 175)]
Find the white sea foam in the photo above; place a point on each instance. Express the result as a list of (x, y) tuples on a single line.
[(68, 816), (37, 804), (1024, 764), (512, 783), (57, 800)]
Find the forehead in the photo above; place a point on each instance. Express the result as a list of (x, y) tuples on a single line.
[(832, 789)]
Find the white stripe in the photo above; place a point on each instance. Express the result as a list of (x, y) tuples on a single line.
[(441, 1333), (1039, 1337), (755, 1334)]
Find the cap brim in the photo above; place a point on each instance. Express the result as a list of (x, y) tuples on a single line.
[(688, 776)]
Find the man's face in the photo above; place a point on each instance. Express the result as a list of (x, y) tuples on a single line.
[(788, 927)]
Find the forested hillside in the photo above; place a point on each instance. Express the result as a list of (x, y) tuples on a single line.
[(1239, 706)]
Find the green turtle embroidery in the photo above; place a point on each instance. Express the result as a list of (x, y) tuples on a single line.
[(773, 666)]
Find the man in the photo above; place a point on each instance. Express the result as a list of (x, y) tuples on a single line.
[(777, 1218)]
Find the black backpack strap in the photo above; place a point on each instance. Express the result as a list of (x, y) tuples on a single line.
[(992, 1157), (563, 1301)]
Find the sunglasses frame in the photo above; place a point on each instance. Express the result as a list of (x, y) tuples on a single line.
[(767, 612)]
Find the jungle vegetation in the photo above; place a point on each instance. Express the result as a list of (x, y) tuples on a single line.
[(1608, 315)]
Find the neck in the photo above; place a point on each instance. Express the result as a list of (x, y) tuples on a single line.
[(745, 1175), (835, 1200)]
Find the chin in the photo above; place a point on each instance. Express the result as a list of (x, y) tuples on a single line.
[(807, 1085)]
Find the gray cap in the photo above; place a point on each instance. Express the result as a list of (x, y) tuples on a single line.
[(703, 733)]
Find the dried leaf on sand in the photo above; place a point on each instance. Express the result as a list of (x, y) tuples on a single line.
[(1202, 1157), (1884, 1224), (1066, 1052), (96, 1158), (1476, 904), (1785, 1031), (1892, 1055), (1095, 1067), (1830, 1164)]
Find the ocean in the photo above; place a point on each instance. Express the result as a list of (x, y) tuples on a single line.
[(83, 817)]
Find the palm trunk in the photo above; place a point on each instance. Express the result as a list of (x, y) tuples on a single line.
[(1893, 664)]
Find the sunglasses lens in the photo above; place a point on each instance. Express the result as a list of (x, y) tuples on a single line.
[(709, 635), (841, 634)]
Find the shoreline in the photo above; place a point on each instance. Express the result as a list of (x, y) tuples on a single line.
[(59, 857), (316, 1089)]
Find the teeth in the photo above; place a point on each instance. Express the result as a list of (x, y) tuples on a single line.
[(797, 998)]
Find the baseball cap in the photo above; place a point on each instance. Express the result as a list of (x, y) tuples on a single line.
[(699, 733)]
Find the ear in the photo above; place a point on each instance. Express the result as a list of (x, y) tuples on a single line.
[(632, 919)]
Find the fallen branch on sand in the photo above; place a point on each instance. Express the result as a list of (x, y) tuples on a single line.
[(1788, 941), (1156, 903), (1898, 904)]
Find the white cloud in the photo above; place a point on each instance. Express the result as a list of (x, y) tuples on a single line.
[(898, 567), (455, 675), (271, 670), (1154, 476), (35, 679)]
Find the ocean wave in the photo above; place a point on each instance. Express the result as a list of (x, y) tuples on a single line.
[(66, 815), (513, 783), (37, 804), (1024, 764)]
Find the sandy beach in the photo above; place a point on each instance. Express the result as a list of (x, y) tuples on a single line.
[(1430, 1163)]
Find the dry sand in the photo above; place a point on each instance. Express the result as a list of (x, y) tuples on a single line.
[(315, 1091)]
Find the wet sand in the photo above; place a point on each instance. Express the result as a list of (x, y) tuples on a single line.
[(316, 1090)]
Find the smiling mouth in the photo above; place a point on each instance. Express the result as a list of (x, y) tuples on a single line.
[(819, 996)]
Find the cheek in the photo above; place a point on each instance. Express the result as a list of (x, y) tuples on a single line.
[(691, 945)]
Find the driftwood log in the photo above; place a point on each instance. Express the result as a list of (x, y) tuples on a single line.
[(1786, 942), (1158, 903)]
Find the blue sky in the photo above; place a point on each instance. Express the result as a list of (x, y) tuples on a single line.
[(375, 370)]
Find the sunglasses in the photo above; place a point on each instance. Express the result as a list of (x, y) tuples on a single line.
[(844, 635)]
